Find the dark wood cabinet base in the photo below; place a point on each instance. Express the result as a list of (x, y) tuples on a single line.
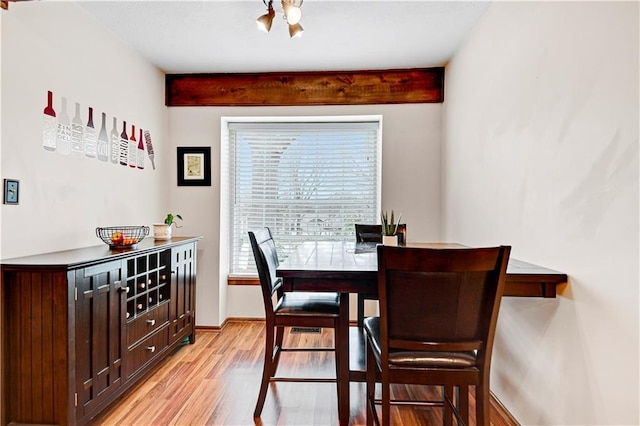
[(82, 326)]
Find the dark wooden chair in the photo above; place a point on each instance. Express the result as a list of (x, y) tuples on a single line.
[(438, 314), (366, 233), (291, 309)]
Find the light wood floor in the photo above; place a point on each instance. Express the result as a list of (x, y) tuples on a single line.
[(216, 382)]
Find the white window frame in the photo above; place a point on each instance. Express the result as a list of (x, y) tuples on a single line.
[(226, 232)]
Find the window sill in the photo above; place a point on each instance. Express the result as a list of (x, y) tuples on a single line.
[(243, 281)]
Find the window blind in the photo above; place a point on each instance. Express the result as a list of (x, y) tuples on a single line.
[(304, 180)]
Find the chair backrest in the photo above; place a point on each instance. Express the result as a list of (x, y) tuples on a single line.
[(366, 233), (266, 257), (440, 299)]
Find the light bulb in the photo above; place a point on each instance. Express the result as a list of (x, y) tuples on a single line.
[(294, 13)]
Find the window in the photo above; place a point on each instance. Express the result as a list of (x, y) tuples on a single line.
[(305, 178)]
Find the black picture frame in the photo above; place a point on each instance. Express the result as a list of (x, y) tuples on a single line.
[(194, 166)]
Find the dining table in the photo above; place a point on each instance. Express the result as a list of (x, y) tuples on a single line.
[(350, 267)]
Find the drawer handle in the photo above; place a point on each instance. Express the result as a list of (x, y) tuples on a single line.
[(151, 322), (124, 289), (151, 349)]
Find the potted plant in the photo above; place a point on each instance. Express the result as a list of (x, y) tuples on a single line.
[(162, 231), (389, 228)]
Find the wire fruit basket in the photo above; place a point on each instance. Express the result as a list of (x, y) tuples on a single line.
[(122, 236)]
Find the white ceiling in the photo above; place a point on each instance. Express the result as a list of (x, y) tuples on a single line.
[(222, 36)]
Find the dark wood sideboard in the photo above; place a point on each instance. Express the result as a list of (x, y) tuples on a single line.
[(79, 327)]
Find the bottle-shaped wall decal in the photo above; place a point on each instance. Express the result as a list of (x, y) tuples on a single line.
[(103, 140), (124, 144), (63, 141), (115, 142), (50, 125), (150, 154), (90, 140), (133, 147), (77, 134), (140, 162)]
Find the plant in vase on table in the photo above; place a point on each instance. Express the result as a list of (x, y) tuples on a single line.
[(389, 228), (162, 231)]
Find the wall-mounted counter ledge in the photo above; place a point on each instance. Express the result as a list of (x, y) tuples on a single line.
[(529, 280)]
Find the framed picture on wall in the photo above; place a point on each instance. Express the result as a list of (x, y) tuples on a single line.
[(194, 166)]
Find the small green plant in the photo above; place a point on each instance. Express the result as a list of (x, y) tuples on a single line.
[(171, 219), (389, 225)]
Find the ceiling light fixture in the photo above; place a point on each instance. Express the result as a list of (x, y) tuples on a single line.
[(292, 14), (264, 22), (295, 30)]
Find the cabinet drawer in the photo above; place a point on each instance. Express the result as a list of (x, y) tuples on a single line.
[(144, 325), (146, 350)]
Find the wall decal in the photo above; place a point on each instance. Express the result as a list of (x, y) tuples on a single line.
[(71, 136), (124, 144), (63, 141), (77, 134), (150, 154), (140, 162), (133, 147), (50, 125), (115, 142), (90, 141), (103, 141)]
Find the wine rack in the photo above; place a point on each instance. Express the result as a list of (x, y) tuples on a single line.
[(148, 282)]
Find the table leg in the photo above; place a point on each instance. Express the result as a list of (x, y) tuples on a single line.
[(342, 357)]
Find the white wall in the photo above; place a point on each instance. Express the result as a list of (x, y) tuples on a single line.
[(410, 184), (541, 152), (57, 46)]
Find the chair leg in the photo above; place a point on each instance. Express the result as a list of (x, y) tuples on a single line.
[(341, 345), (463, 403), (386, 400), (279, 336), (360, 317), (371, 386), (336, 339), (277, 348), (267, 370), (482, 403), (447, 415)]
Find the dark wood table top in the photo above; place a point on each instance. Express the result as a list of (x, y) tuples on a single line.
[(315, 261)]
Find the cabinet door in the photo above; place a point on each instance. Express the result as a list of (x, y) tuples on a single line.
[(183, 293), (100, 309)]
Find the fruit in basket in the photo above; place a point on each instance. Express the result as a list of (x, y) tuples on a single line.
[(117, 238), (129, 241)]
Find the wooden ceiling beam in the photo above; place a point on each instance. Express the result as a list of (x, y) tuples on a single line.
[(416, 85)]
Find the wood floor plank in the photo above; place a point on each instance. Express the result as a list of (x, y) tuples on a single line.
[(216, 380)]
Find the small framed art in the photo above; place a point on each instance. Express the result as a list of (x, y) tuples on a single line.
[(194, 166)]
